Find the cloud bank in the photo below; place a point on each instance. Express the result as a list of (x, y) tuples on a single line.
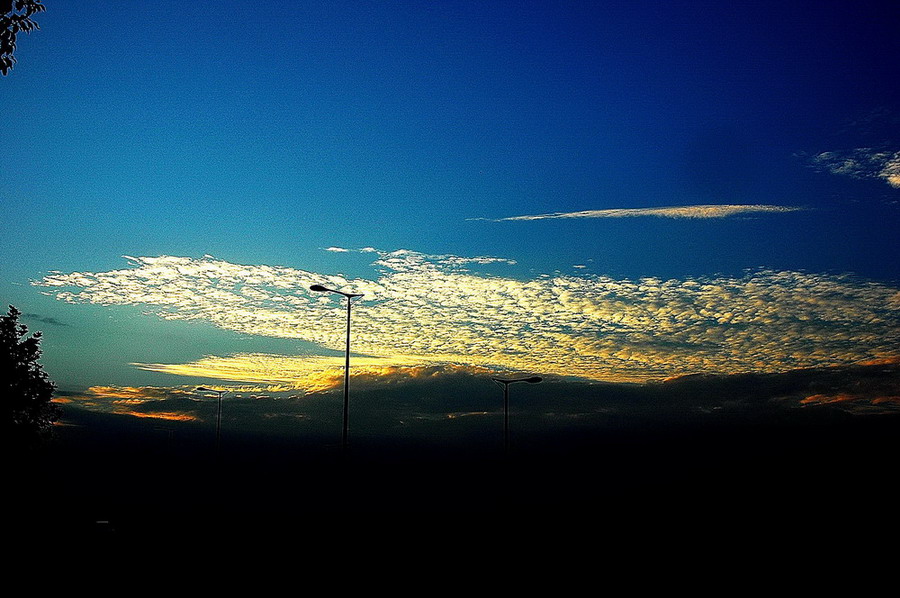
[(309, 374), (402, 396), (689, 212), (171, 404), (423, 309)]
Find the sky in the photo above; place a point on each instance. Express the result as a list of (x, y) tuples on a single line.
[(585, 191)]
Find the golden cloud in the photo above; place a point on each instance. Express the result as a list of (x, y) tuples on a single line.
[(309, 374), (430, 310)]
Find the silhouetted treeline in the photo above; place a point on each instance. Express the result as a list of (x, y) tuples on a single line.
[(26, 389)]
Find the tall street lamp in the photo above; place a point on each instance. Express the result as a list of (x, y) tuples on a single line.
[(218, 412), (506, 382), (350, 297)]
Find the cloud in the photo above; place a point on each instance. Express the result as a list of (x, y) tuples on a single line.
[(689, 212), (171, 404), (433, 310), (861, 163), (309, 374), (871, 387), (45, 319), (337, 249), (399, 400)]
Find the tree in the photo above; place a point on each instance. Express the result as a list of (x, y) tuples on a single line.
[(26, 389), (15, 16)]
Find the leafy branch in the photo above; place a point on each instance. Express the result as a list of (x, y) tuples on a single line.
[(15, 18)]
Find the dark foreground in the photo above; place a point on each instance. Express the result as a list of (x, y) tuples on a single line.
[(769, 489)]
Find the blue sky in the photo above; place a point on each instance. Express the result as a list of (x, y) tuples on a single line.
[(497, 178)]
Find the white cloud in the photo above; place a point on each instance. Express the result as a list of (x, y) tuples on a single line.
[(690, 212), (862, 163), (423, 309)]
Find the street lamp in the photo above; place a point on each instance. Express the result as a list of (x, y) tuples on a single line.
[(506, 382), (218, 411), (350, 297)]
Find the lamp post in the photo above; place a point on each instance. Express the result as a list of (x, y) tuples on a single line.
[(506, 382), (218, 412), (350, 297)]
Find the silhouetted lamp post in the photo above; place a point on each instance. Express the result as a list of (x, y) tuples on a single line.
[(218, 411), (350, 297), (506, 382)]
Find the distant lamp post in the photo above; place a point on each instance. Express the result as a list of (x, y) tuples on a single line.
[(350, 297), (218, 411), (506, 382)]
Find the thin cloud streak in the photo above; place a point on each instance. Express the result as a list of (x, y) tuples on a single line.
[(307, 374), (424, 309), (679, 212)]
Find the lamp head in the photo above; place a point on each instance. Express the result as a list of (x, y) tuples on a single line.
[(321, 289), (532, 380)]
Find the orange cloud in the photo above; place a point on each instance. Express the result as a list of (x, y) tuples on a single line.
[(168, 416), (823, 399), (890, 360), (123, 400), (854, 402)]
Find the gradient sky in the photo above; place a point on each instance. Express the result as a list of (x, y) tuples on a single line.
[(617, 193)]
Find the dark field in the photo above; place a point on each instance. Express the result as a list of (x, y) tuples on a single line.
[(637, 480)]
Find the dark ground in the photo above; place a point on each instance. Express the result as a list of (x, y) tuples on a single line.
[(770, 490)]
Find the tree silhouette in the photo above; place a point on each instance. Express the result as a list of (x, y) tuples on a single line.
[(26, 389), (15, 16)]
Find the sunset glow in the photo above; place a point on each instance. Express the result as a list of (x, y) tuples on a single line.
[(532, 272)]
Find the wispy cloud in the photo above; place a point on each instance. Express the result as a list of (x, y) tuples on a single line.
[(45, 319), (861, 163), (309, 374), (689, 212), (423, 309)]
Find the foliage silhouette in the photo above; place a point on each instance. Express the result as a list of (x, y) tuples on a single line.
[(28, 412), (15, 17)]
